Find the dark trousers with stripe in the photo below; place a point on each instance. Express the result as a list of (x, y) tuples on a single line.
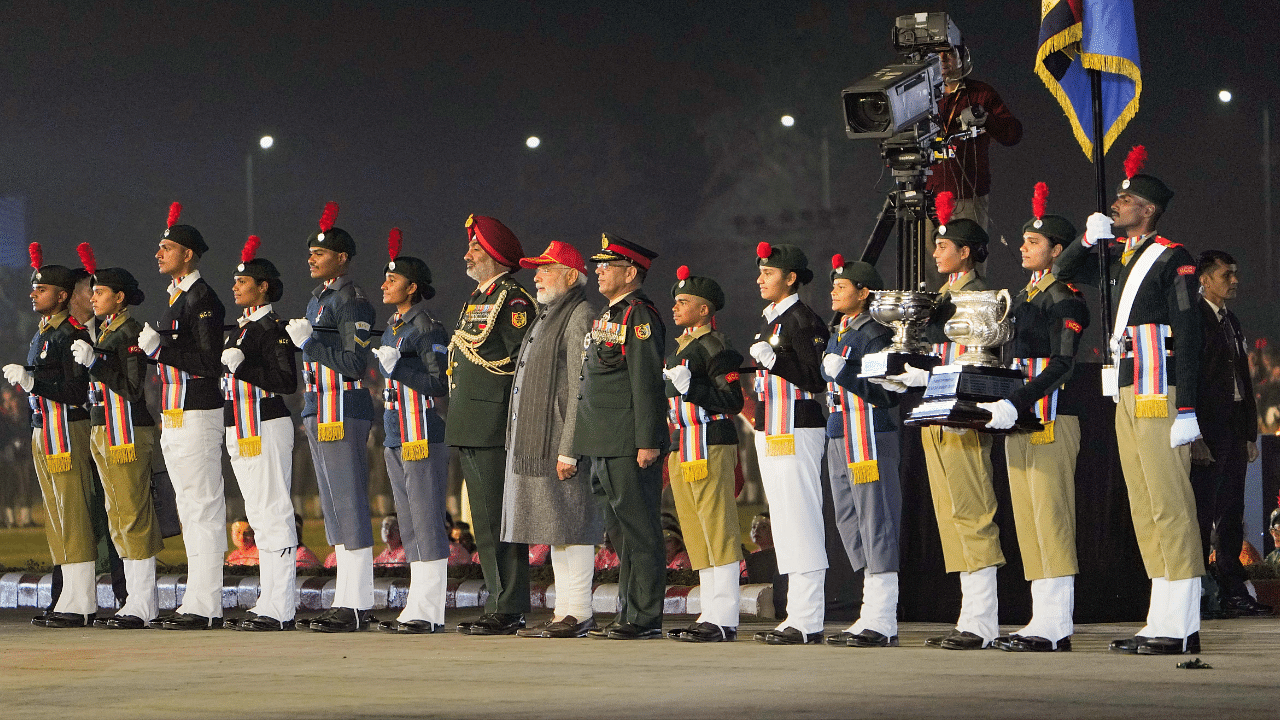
[(630, 497), (505, 565)]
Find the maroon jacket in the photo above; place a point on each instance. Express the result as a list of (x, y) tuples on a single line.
[(968, 174)]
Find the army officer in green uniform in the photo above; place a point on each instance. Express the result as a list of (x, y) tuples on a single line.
[(622, 429)]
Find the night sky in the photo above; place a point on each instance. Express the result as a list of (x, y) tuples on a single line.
[(658, 123)]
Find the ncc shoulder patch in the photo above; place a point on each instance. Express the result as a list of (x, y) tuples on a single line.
[(206, 314), (644, 331), (1070, 324), (135, 349), (285, 341), (519, 319), (730, 377), (1187, 270), (518, 302)]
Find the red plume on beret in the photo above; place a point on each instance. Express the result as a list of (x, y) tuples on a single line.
[(763, 250), (393, 243), (837, 261), (250, 249), (86, 258), (682, 272), (330, 215), (175, 211), (1136, 160), (945, 205), (1039, 200), (37, 256)]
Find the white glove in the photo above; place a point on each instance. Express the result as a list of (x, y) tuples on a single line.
[(18, 375), (148, 339), (911, 376), (82, 352), (388, 356), (679, 377), (1186, 428), (889, 385), (1097, 227), (299, 330), (1003, 414), (832, 364), (763, 354), (954, 430), (232, 357)]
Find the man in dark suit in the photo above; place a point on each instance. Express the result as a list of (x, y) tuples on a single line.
[(1229, 422)]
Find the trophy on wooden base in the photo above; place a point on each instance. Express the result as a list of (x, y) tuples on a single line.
[(954, 391), (907, 312)]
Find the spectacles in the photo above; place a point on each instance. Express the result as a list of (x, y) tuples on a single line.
[(603, 265)]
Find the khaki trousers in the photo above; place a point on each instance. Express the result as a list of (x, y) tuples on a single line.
[(67, 498), (707, 509), (130, 512), (1042, 486), (1160, 497), (964, 499)]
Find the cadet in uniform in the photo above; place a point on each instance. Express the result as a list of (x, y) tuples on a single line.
[(482, 363), (188, 349), (123, 438), (959, 460), (337, 413), (1155, 346), (412, 359), (57, 387), (261, 370), (1048, 318), (704, 395), (862, 455), (790, 434), (622, 429)]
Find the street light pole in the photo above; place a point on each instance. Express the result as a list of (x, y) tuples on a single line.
[(1266, 200), (265, 142)]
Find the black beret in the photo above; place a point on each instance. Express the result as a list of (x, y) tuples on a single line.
[(187, 236)]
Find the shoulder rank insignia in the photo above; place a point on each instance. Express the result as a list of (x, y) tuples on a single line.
[(518, 319), (643, 331)]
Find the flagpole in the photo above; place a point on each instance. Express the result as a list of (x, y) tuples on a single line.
[(1100, 182)]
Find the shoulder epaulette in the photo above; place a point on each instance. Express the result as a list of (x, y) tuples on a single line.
[(1167, 242), (75, 323)]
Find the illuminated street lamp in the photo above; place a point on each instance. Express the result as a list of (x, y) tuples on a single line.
[(532, 142), (824, 159), (788, 121), (265, 142), (1224, 96)]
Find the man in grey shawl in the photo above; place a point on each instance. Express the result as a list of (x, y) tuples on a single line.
[(545, 499)]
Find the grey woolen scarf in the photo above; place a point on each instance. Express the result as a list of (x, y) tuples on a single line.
[(534, 447)]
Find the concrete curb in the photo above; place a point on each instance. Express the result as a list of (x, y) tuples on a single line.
[(34, 590)]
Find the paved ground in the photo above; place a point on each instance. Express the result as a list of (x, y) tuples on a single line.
[(157, 674)]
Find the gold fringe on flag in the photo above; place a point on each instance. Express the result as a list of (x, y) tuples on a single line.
[(695, 470), (58, 463), (122, 454), (780, 445), (1151, 406), (864, 471), (328, 432), (1045, 436), (250, 446), (172, 418), (416, 450)]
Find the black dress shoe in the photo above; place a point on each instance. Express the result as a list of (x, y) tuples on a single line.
[(419, 627), (938, 640), (343, 620), (40, 620), (59, 620), (602, 632), (707, 633), (872, 639), (1170, 646), (788, 636), (497, 624), (840, 638), (1034, 643), (1246, 606), (1127, 646), (1002, 641), (264, 623), (964, 641), (125, 622), (631, 631), (191, 621), (569, 627), (673, 633), (157, 622)]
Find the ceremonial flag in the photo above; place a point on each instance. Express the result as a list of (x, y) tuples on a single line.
[(1081, 35)]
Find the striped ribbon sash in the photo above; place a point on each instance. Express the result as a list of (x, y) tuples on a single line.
[(411, 408), (173, 393), (859, 434), (328, 386), (246, 404), (1150, 370), (119, 425), (779, 396), (55, 434), (948, 351), (692, 421), (1046, 407)]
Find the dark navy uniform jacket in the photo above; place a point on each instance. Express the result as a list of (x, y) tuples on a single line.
[(424, 347), (344, 345), (191, 340), (58, 376), (863, 337), (269, 363)]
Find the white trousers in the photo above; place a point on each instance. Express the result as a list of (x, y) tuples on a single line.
[(806, 601), (1053, 603), (278, 597), (79, 589), (140, 581), (720, 595), (354, 585), (265, 481), (427, 590), (193, 455), (793, 487), (574, 569), (979, 605), (879, 605)]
